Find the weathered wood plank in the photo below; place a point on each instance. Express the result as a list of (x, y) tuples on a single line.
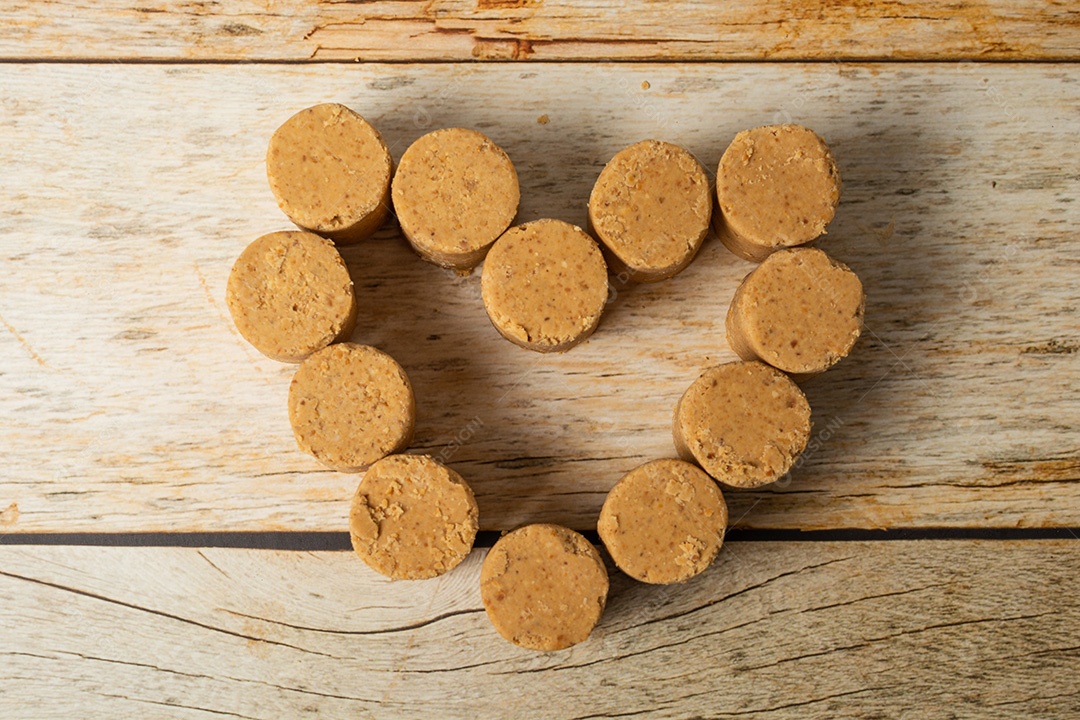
[(128, 402), (410, 30), (773, 630)]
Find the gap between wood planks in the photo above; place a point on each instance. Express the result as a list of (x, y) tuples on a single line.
[(808, 60), (329, 541)]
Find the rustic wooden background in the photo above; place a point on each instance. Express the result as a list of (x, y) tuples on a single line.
[(137, 428)]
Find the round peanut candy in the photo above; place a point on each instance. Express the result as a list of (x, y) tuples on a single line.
[(650, 207), (290, 294), (544, 587), (544, 285), (777, 186), (455, 191), (330, 172), (351, 405), (800, 311), (412, 518), (744, 423), (663, 522)]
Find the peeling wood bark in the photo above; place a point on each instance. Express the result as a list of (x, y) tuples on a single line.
[(396, 30)]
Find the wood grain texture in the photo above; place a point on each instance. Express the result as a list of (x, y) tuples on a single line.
[(129, 403), (773, 630), (410, 30)]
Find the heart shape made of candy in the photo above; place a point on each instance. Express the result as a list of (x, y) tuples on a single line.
[(544, 286)]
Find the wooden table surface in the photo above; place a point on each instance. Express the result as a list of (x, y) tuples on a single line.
[(165, 551)]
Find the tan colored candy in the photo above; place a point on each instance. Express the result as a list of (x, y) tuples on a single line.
[(800, 311), (351, 405), (544, 587), (544, 285), (778, 187), (412, 518), (745, 423), (663, 522), (455, 192), (650, 207), (330, 172), (290, 294)]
